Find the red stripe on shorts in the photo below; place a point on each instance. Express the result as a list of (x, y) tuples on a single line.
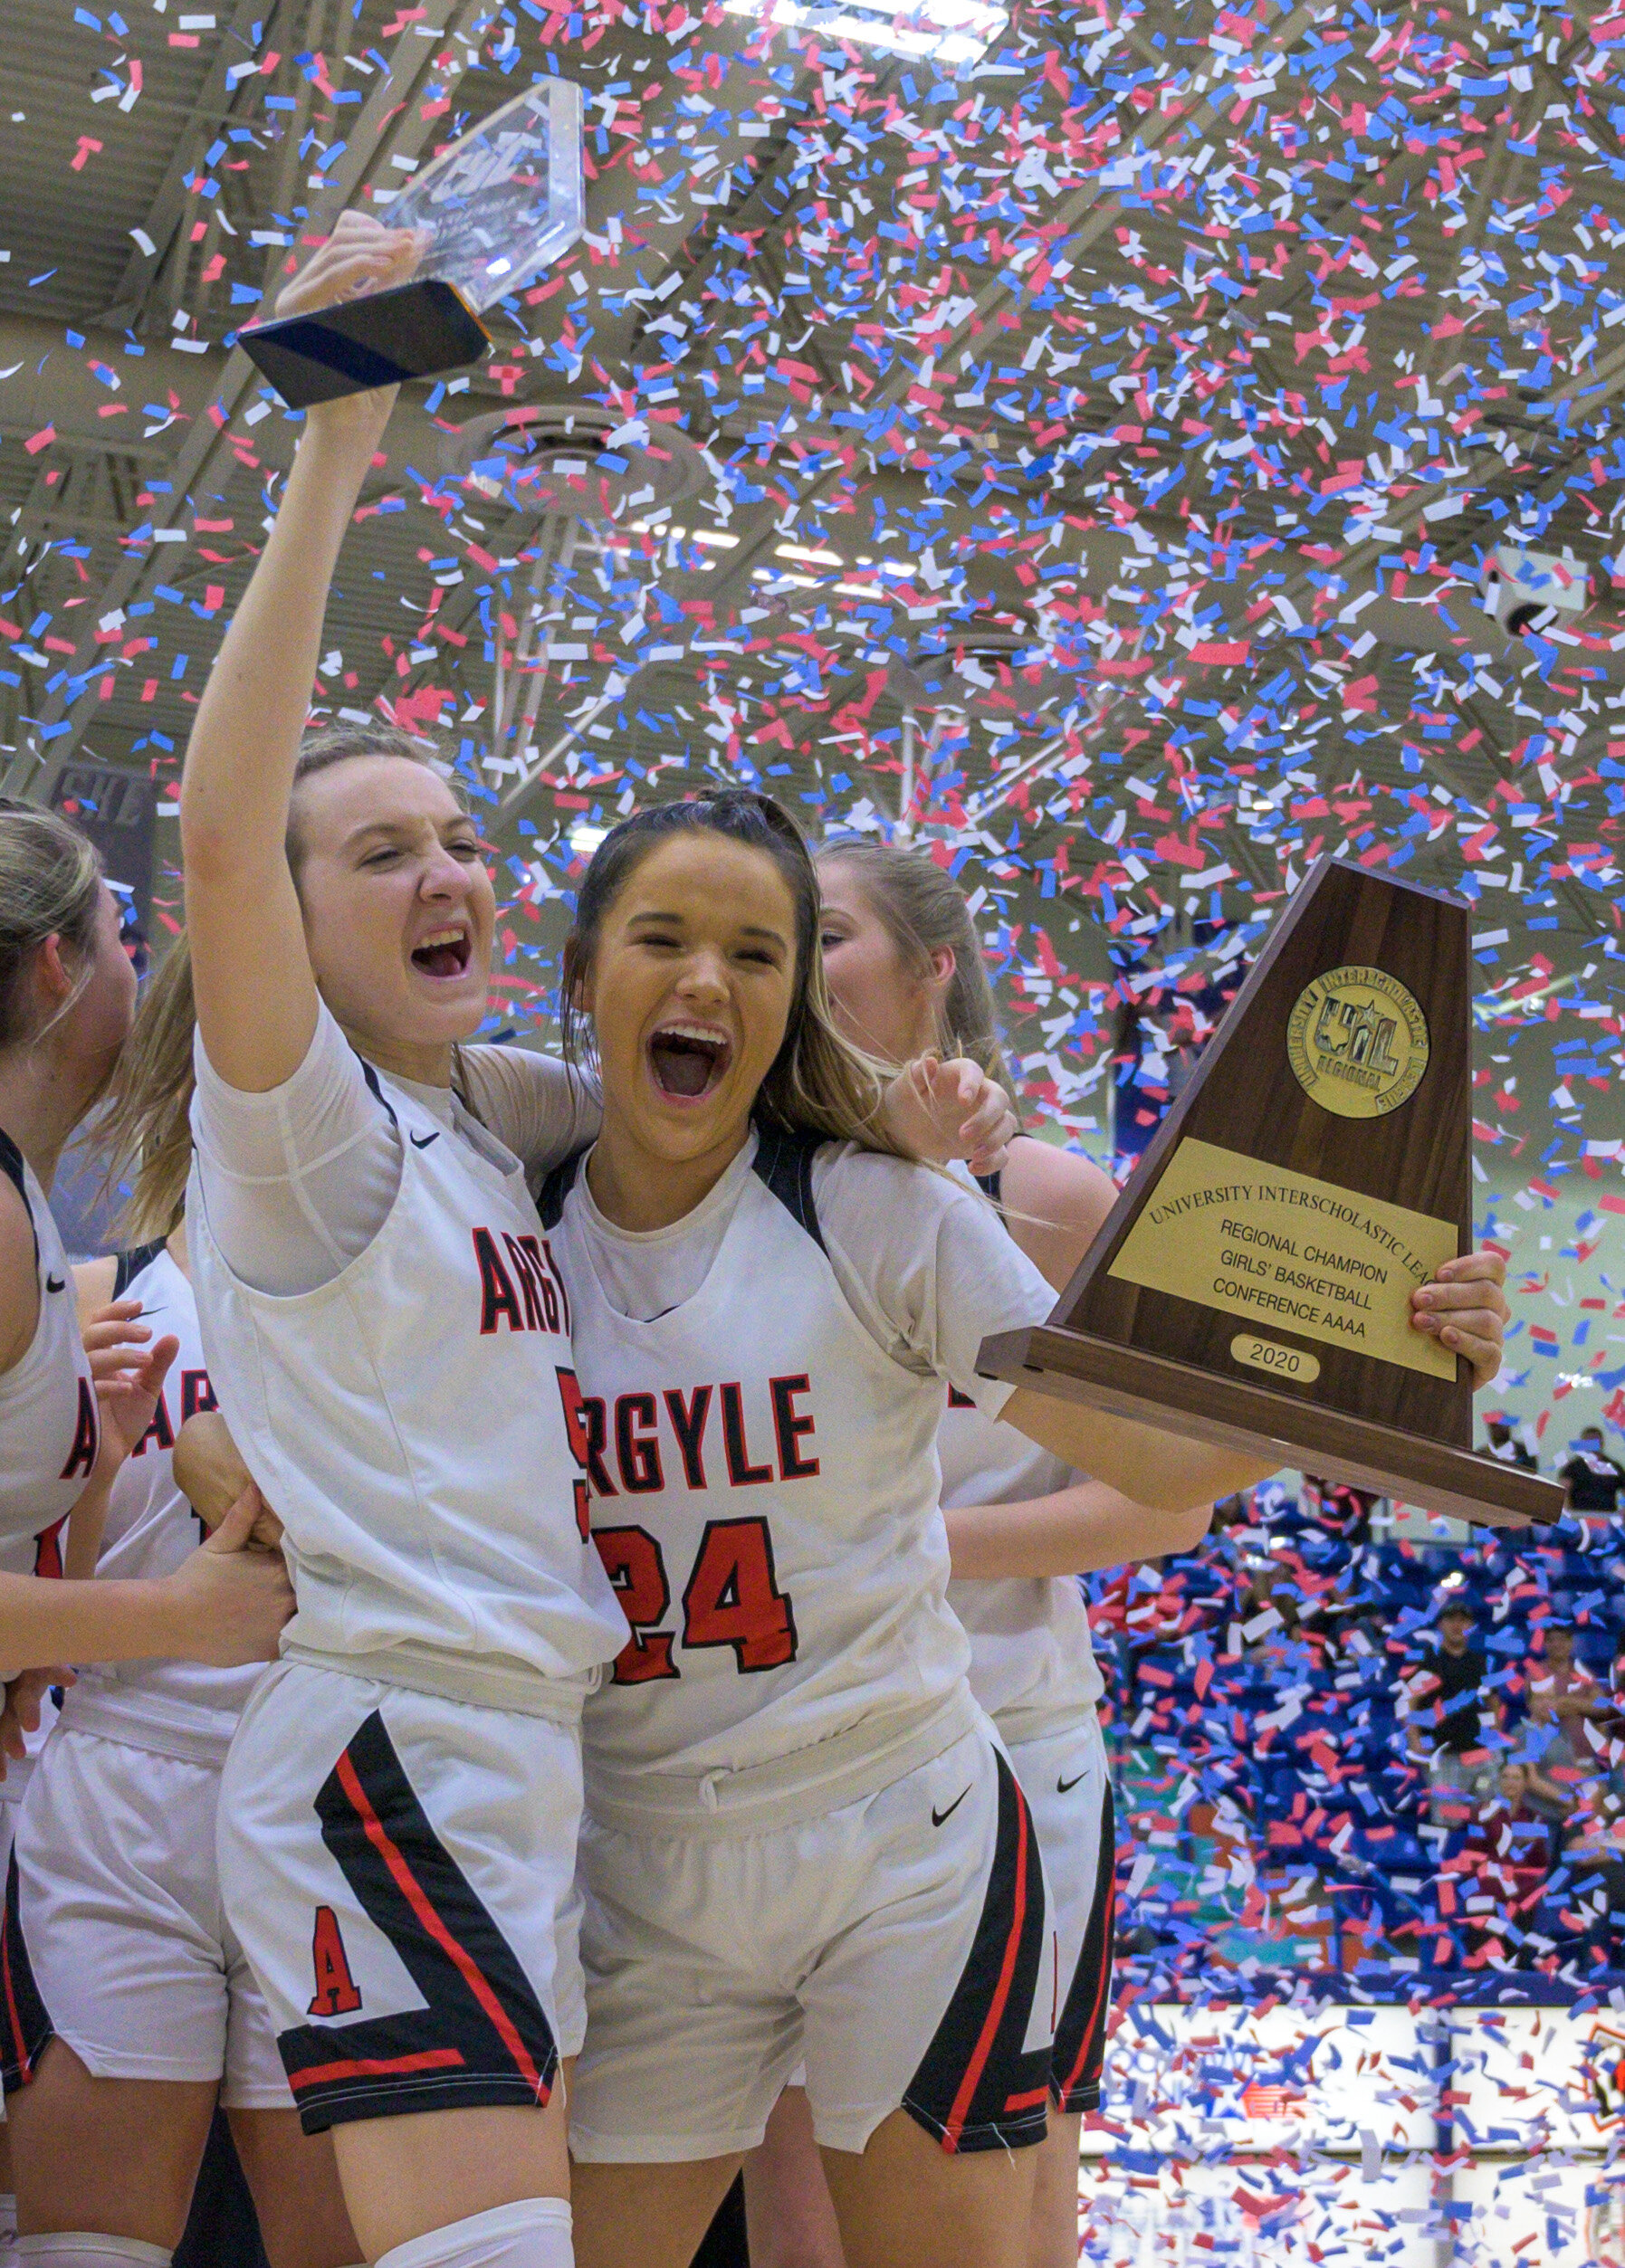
[(418, 1899), (24, 2062), (371, 2066)]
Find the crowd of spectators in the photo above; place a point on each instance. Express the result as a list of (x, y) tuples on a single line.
[(1332, 1728)]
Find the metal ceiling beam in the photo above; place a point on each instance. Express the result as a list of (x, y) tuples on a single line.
[(390, 125), (171, 200)]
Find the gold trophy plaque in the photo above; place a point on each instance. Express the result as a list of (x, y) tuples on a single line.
[(1251, 1287)]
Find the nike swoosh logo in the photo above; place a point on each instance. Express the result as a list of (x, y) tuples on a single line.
[(422, 1141), (56, 1284), (1065, 1787), (937, 1817)]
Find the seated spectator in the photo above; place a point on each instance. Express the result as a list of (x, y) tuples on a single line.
[(1595, 1833), (1291, 1645), (1564, 1694), (1510, 1828), (1552, 1781), (1504, 1444), (1592, 1479), (1592, 1874), (1445, 1712), (1504, 1859)]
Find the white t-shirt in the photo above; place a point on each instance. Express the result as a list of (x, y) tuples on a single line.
[(763, 1382), (302, 1178), (411, 1415), (1032, 1658)]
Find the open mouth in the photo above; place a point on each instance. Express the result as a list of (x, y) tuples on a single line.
[(688, 1059), (443, 954)]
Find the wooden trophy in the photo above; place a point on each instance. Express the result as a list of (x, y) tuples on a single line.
[(1251, 1286)]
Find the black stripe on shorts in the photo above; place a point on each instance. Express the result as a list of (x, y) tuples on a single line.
[(977, 2087), (1081, 2035), (483, 2036), (25, 2026)]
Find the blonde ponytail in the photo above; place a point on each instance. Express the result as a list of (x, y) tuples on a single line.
[(145, 1131)]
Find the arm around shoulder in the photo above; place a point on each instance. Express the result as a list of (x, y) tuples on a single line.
[(537, 1106), (1054, 1205)]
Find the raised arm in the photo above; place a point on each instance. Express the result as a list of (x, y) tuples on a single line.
[(256, 997)]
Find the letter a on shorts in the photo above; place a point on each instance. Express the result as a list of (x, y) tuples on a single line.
[(336, 1994)]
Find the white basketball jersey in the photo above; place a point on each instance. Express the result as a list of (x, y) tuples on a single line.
[(765, 1495), (49, 1425), (417, 1424), (1032, 1659), (1031, 1656), (185, 1709)]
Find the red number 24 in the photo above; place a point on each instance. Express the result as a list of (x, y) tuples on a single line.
[(731, 1599)]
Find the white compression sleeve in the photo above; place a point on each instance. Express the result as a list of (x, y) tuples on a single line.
[(81, 2249), (535, 2233)]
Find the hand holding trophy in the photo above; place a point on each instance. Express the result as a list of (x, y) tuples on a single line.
[(1253, 1287), (383, 302)]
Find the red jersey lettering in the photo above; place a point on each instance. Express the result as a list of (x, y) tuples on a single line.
[(638, 1576), (336, 1994), (637, 1454), (87, 1437), (790, 1429), (740, 1471)]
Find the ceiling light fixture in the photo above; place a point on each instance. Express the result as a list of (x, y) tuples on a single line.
[(955, 33)]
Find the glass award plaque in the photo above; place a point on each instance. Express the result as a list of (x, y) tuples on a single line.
[(499, 206)]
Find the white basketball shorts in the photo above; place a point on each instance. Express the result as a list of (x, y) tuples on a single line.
[(899, 1946), (1065, 1777), (115, 1939), (400, 1871)]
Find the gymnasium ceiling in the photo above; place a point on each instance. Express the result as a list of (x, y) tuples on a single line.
[(1080, 433)]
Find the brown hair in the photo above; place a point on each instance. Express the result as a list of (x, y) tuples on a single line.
[(922, 910), (49, 886), (337, 744), (145, 1131), (817, 1083)]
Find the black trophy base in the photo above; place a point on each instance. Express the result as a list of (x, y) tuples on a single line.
[(419, 331)]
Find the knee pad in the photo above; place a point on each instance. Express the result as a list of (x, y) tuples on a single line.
[(533, 2233)]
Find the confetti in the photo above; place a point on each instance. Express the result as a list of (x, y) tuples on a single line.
[(1102, 447)]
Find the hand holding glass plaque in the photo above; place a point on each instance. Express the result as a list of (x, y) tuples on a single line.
[(490, 214)]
